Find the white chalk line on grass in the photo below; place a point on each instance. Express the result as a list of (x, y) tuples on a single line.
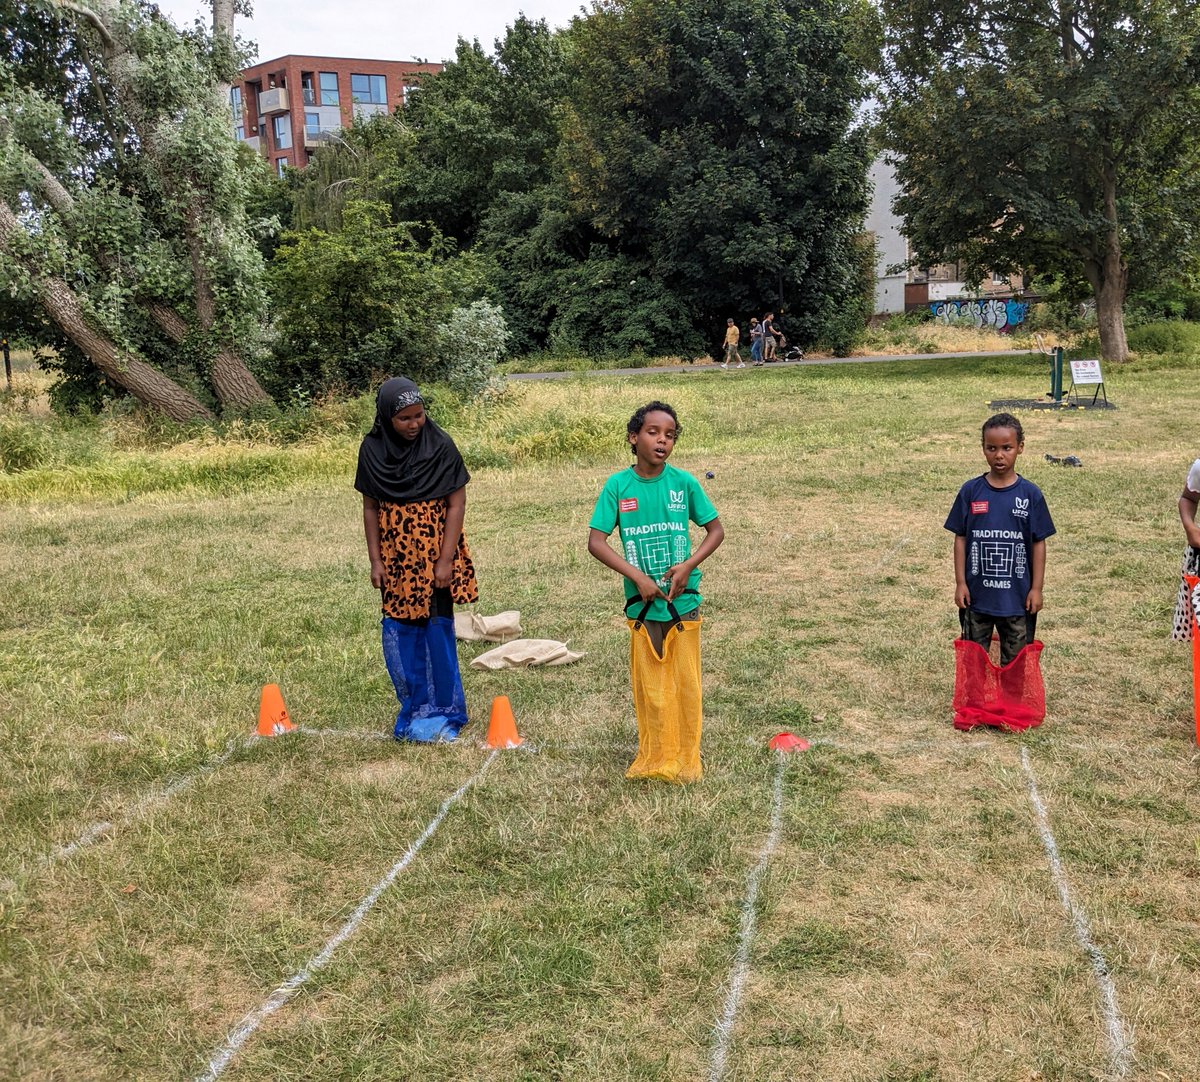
[(1120, 1044), (891, 552), (277, 999), (723, 1030), (99, 831)]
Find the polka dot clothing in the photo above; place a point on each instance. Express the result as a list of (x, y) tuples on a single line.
[(1188, 601)]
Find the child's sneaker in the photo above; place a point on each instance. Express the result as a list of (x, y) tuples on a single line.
[(741, 364)]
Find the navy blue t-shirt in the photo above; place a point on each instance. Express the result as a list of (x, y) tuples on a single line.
[(1000, 525)]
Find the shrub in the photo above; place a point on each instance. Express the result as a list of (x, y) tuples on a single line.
[(1173, 336), (473, 340)]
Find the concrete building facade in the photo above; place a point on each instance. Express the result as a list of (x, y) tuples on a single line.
[(998, 301), (285, 108)]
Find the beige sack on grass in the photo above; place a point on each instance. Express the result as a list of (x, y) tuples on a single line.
[(524, 653), (472, 627)]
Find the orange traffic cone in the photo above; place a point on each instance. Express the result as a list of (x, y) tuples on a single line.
[(1192, 582), (502, 729), (273, 717)]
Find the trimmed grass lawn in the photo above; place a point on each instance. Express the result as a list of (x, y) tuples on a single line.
[(564, 923)]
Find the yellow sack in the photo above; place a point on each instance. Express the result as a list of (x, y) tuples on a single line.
[(666, 695)]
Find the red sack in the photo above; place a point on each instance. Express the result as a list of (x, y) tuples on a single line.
[(1012, 697)]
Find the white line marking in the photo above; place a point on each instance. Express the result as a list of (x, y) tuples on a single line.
[(99, 831), (723, 1031), (222, 1058), (357, 734), (1120, 1044), (891, 552)]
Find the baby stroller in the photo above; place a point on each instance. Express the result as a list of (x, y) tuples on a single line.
[(784, 352)]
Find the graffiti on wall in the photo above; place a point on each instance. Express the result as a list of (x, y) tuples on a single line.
[(1001, 315)]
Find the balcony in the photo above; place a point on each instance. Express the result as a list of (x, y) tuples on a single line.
[(273, 101), (315, 137)]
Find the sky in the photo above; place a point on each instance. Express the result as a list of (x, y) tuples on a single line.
[(374, 29)]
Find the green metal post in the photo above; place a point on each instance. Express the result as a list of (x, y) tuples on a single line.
[(1056, 384)]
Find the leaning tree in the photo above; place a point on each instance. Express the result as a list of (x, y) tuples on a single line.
[(122, 214)]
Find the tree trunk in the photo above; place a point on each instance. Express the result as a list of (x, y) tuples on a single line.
[(124, 369), (232, 381), (1114, 276)]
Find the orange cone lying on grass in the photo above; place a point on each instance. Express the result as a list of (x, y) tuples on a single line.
[(273, 717), (502, 729)]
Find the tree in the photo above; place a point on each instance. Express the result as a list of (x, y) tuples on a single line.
[(1035, 137), (715, 140), (365, 300), (122, 198)]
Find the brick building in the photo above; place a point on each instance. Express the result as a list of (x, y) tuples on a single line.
[(285, 108)]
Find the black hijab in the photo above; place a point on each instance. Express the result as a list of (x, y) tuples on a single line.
[(405, 471)]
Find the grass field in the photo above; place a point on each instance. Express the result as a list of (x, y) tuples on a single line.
[(563, 923)]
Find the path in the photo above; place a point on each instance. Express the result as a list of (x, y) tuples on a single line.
[(672, 369)]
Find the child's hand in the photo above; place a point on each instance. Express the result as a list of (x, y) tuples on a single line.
[(648, 588), (443, 572), (962, 596), (1033, 601), (377, 573), (679, 579)]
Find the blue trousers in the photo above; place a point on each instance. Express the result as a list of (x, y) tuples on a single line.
[(422, 660)]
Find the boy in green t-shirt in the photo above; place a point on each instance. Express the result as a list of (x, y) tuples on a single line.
[(652, 504)]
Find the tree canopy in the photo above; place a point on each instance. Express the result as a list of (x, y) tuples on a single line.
[(1066, 133)]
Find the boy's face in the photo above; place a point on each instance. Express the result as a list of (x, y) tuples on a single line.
[(655, 442), (1001, 447)]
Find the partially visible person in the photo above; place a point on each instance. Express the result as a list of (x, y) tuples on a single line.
[(732, 337), (413, 484), (1189, 500), (768, 336), (1000, 524), (756, 341)]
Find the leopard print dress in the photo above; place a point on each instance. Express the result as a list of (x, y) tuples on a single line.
[(410, 542)]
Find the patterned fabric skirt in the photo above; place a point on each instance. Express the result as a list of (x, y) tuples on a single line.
[(410, 541), (1185, 620)]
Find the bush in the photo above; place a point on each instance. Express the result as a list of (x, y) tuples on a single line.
[(473, 340), (1174, 336)]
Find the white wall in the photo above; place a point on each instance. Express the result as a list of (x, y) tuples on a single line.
[(890, 244)]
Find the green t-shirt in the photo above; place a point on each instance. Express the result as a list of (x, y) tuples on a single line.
[(653, 516)]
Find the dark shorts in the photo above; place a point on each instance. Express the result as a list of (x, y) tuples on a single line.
[(1014, 631)]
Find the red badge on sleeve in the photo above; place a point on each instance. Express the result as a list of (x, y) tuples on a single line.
[(979, 507), (629, 505)]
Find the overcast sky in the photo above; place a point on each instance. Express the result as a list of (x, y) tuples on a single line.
[(373, 29)]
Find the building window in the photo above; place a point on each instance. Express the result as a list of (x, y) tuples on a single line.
[(283, 131), (370, 89), (235, 107), (312, 123), (329, 88), (999, 279), (306, 88), (280, 165)]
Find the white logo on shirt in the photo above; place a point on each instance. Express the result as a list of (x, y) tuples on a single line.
[(677, 503), (1022, 507)]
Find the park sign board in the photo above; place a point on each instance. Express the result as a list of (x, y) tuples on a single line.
[(1086, 372)]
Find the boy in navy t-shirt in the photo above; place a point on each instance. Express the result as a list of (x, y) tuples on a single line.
[(1000, 524)]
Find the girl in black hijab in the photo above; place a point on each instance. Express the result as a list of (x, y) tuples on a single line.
[(413, 484)]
